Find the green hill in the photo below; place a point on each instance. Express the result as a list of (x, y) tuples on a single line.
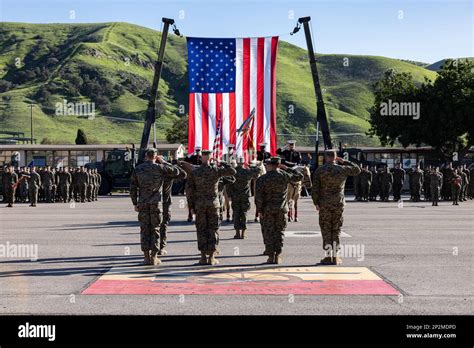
[(439, 64), (111, 64)]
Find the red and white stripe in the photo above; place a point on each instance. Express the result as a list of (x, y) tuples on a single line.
[(255, 88)]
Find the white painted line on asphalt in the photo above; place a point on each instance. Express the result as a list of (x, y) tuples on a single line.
[(311, 234)]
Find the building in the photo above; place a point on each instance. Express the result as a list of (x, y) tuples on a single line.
[(70, 155), (408, 157)]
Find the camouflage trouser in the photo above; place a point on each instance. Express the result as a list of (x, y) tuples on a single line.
[(273, 225), (10, 195), (240, 207), (90, 189), (455, 190), (434, 194), (427, 190), (207, 226), (463, 192), (33, 194), (64, 190), (149, 216), (164, 224), (397, 191), (330, 222), (54, 191), (385, 192), (82, 188), (96, 191), (416, 192), (48, 193), (365, 189)]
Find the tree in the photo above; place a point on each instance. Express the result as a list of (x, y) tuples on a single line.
[(178, 133), (81, 138), (446, 120)]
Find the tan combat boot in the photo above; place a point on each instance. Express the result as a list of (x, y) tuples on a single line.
[(271, 258), (203, 259), (244, 234), (237, 234), (212, 259), (155, 261), (327, 261), (277, 259), (147, 260), (337, 260), (162, 252)]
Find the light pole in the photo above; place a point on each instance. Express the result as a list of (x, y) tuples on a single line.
[(31, 122)]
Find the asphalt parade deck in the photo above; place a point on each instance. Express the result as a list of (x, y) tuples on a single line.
[(397, 259)]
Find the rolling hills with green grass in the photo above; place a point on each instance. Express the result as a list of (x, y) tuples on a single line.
[(111, 64)]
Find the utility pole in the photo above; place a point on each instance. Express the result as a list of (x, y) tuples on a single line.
[(151, 110), (321, 111), (31, 122)]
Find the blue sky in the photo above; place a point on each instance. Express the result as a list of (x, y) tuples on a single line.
[(423, 30)]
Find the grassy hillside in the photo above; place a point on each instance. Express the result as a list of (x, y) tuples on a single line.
[(439, 64), (112, 65)]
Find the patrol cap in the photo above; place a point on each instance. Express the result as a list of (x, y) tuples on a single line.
[(262, 144), (151, 152), (230, 146), (207, 152), (197, 148), (291, 142)]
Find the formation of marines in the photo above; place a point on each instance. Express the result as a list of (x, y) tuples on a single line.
[(205, 181), (433, 184), (49, 185)]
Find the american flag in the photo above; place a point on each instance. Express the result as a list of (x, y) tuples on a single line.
[(240, 75), (217, 149)]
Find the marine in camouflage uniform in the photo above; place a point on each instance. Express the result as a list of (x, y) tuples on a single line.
[(271, 198), (357, 188), (365, 183), (82, 183), (456, 183), (416, 182), (468, 176), (465, 183), (375, 187), (10, 180), (426, 183), (90, 185), (386, 180), (48, 184), (98, 182), (328, 197), (145, 191), (398, 181), (436, 181), (202, 191), (239, 193), (166, 193), (23, 186), (448, 173), (34, 185), (72, 187), (65, 180)]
